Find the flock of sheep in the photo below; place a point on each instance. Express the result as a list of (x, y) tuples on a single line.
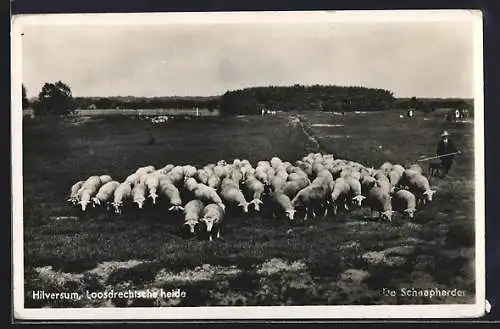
[(313, 186)]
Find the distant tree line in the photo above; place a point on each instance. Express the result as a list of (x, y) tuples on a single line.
[(430, 104), (305, 98), (131, 102)]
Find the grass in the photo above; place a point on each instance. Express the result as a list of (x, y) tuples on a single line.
[(313, 261)]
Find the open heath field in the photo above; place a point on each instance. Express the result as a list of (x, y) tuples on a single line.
[(337, 260)]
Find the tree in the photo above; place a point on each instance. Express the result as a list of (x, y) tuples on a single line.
[(25, 101), (55, 99)]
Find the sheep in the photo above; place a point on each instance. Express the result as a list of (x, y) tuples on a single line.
[(408, 174), (166, 169), (277, 183), (405, 202), (214, 181), (264, 164), (379, 200), (170, 191), (367, 182), (261, 174), (275, 162), (313, 198), (190, 184), (419, 185), (236, 175), (323, 177), (88, 189), (213, 217), (291, 188), (222, 171), (255, 188), (202, 176), (394, 177), (189, 171), (176, 175), (92, 181), (105, 193), (133, 178), (139, 194), (207, 195), (145, 170), (399, 168), (282, 205), (384, 182), (355, 191), (192, 213), (105, 179), (122, 193), (340, 194), (232, 195), (386, 166), (73, 194), (417, 168), (152, 181)]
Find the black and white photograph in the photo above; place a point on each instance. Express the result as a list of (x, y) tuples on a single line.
[(248, 165)]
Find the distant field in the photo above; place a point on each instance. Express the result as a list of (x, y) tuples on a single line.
[(345, 260)]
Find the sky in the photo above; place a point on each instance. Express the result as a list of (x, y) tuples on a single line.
[(422, 59)]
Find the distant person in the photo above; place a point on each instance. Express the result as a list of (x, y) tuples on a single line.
[(446, 146)]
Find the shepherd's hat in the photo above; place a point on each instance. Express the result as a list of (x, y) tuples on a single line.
[(445, 133)]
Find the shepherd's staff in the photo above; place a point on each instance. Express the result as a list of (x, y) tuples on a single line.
[(439, 156)]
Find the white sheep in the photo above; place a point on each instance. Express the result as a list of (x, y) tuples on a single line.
[(277, 183), (152, 181), (291, 188), (261, 174), (88, 189), (275, 162), (166, 169), (394, 176), (386, 166), (263, 164), (222, 171), (417, 168), (133, 178), (379, 200), (282, 205), (419, 185), (189, 171), (340, 194), (172, 194), (355, 191), (214, 182), (145, 170), (122, 194), (190, 184), (232, 195), (255, 189), (105, 193), (73, 194), (192, 214), (207, 195), (139, 194), (202, 176), (313, 198), (176, 175), (367, 182), (105, 179), (404, 202), (213, 217)]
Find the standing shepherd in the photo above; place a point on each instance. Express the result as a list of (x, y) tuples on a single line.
[(446, 146)]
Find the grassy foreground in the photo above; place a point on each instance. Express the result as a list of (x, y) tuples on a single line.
[(338, 261)]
